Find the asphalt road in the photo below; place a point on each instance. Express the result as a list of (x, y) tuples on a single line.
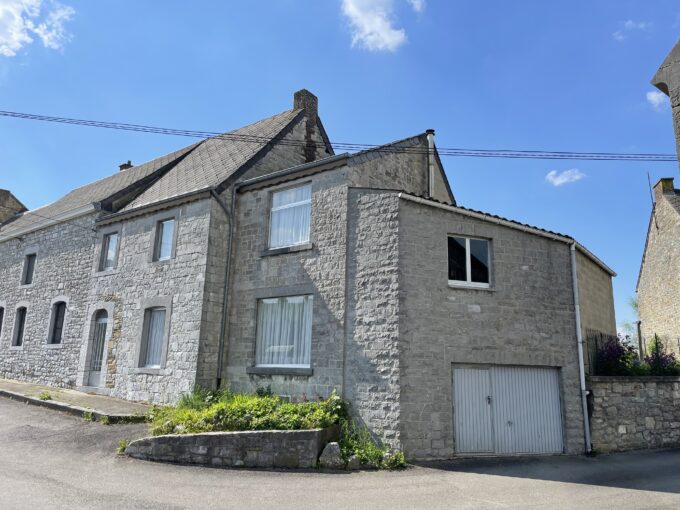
[(51, 460)]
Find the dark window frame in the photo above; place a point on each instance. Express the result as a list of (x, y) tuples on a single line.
[(57, 322)]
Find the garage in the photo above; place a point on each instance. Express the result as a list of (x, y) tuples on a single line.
[(507, 410)]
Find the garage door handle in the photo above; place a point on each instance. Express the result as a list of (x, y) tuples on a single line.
[(488, 400)]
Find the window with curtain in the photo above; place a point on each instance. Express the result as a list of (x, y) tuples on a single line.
[(469, 261), (284, 331), (165, 231), (290, 216), (109, 252), (19, 326), (57, 330), (153, 337)]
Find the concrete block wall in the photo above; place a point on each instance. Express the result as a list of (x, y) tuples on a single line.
[(525, 318), (62, 270)]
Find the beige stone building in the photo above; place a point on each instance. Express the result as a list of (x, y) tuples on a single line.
[(658, 286)]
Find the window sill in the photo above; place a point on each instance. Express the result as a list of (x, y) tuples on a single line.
[(106, 272), (148, 371), (279, 371), (53, 346), (466, 286), (16, 347), (287, 249), (26, 286)]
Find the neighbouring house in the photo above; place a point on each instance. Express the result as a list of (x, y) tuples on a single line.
[(658, 286), (10, 206), (260, 258)]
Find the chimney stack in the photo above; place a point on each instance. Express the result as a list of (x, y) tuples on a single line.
[(304, 99), (125, 166), (663, 187)]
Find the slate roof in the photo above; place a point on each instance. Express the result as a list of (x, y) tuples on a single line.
[(93, 192), (214, 160), (199, 166)]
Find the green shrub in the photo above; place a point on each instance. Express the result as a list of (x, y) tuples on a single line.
[(222, 411), (88, 416), (104, 420), (395, 461), (357, 440), (122, 445), (45, 395)]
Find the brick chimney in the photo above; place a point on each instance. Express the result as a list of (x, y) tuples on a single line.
[(663, 187), (125, 166), (667, 80), (305, 100), (9, 206)]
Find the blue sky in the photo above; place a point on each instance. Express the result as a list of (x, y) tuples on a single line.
[(521, 75)]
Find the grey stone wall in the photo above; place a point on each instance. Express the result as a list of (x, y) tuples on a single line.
[(659, 286), (526, 318), (139, 282), (372, 368), (262, 449), (62, 271), (634, 412), (317, 270)]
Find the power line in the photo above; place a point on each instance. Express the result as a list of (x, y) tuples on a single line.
[(443, 151)]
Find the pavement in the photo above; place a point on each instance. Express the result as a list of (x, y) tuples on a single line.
[(74, 402), (54, 460)]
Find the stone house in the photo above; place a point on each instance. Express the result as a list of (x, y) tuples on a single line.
[(261, 258), (658, 286)]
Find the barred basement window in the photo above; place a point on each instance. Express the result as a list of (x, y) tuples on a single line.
[(57, 322)]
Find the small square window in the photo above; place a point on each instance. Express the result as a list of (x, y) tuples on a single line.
[(469, 262), (290, 217), (165, 231), (29, 269), (109, 254)]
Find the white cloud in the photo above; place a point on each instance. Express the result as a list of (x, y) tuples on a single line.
[(629, 26), (22, 20), (417, 5), (372, 25), (657, 99), (565, 177)]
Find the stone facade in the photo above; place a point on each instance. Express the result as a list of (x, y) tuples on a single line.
[(658, 286), (9, 205), (630, 413), (252, 449), (526, 318)]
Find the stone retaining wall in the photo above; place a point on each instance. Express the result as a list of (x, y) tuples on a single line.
[(263, 449), (629, 413)]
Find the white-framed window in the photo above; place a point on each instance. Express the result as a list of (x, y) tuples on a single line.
[(469, 262), (290, 216), (109, 255), (153, 337), (57, 323), (19, 327), (165, 235), (29, 269), (284, 331)]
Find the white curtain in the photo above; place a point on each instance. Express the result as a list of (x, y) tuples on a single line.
[(165, 239), (154, 339), (284, 331), (291, 209)]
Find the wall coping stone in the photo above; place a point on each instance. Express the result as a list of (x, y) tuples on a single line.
[(247, 448), (634, 378)]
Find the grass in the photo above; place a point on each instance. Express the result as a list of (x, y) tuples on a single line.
[(122, 445), (45, 395), (88, 416), (206, 411)]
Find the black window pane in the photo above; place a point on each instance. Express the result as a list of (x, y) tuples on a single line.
[(479, 260), (2, 318), (457, 269), (58, 325), (21, 322), (30, 266)]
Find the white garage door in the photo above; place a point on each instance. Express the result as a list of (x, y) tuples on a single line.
[(507, 410)]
